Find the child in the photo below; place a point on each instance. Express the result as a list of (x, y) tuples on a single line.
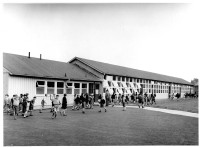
[(83, 100), (11, 105), (113, 99), (154, 99), (91, 101), (42, 105), (102, 103), (75, 102), (32, 105), (119, 99), (64, 105), (124, 102), (7, 103), (52, 105), (140, 101), (146, 98), (15, 106), (27, 105), (24, 104), (56, 104)]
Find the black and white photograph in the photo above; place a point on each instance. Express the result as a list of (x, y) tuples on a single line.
[(100, 74)]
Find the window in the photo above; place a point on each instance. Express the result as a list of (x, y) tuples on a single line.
[(50, 87), (119, 84), (140, 80), (60, 87), (109, 83), (119, 78), (84, 88), (123, 78), (40, 87), (131, 80), (97, 86), (127, 79), (114, 78), (69, 88), (76, 88), (91, 88)]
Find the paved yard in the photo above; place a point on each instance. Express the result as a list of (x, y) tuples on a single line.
[(115, 127)]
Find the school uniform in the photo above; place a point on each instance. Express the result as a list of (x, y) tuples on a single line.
[(83, 101), (64, 103), (123, 101), (15, 105), (102, 102), (24, 104)]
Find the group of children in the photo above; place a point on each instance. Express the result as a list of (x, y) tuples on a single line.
[(18, 104), (24, 104), (140, 99), (84, 100)]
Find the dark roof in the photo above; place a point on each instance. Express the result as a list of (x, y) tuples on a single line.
[(34, 67), (111, 69)]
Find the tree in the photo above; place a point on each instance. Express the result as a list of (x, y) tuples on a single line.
[(195, 81)]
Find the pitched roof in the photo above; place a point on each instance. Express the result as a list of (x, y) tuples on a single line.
[(34, 67), (111, 69)]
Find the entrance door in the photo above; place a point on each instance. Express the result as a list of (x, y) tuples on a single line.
[(91, 88)]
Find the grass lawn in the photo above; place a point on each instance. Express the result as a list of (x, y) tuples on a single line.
[(187, 104), (115, 127)]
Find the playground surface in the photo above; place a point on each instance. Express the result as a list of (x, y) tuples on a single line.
[(116, 127)]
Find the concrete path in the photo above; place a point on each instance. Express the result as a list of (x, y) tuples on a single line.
[(169, 111)]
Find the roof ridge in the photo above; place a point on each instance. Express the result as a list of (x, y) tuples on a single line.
[(130, 68), (34, 57)]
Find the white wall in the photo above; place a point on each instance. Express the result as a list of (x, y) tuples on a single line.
[(5, 81), (22, 85)]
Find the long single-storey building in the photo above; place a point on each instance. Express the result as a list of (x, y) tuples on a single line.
[(37, 76)]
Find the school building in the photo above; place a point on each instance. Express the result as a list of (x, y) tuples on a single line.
[(37, 76)]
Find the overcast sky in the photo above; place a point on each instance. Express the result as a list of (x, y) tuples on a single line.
[(160, 38)]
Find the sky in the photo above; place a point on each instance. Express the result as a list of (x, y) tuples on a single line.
[(161, 38)]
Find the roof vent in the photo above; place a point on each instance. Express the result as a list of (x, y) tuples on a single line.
[(40, 56), (29, 54)]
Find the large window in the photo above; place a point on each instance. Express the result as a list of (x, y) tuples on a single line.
[(109, 83), (114, 78), (119, 78), (40, 85), (84, 88), (50, 87), (60, 87), (69, 88), (76, 88)]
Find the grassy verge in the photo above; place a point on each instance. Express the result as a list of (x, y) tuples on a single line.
[(183, 104)]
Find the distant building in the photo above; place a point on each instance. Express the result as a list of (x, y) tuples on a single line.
[(195, 82), (37, 76)]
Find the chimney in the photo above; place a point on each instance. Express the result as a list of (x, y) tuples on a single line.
[(40, 56), (29, 54)]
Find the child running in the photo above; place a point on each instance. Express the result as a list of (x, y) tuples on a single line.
[(56, 104), (102, 103)]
